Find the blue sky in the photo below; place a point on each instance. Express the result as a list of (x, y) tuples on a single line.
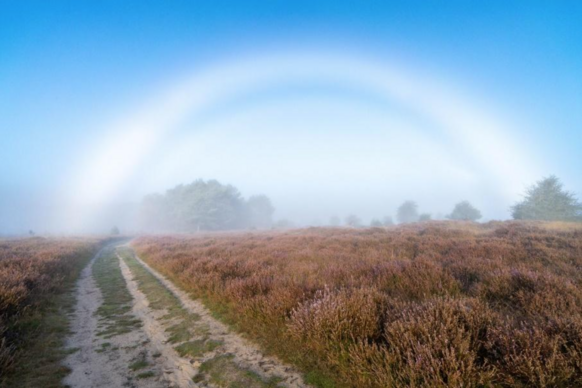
[(70, 68)]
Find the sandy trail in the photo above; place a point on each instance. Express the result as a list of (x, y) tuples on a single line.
[(178, 371), (245, 353), (102, 361)]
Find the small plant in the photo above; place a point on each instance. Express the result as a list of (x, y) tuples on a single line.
[(464, 211), (36, 275), (140, 364), (145, 375), (429, 305)]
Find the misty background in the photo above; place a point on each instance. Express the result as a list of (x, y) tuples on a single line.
[(102, 105)]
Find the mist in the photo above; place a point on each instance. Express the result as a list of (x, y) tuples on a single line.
[(316, 152), (355, 122)]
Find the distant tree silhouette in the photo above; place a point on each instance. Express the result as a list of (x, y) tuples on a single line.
[(204, 205), (388, 221), (283, 224), (464, 211), (376, 223), (547, 200), (425, 217), (407, 212), (353, 221), (115, 231), (260, 211)]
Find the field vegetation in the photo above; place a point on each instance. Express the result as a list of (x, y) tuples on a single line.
[(35, 275), (422, 305)]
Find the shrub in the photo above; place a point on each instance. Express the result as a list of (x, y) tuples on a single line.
[(441, 304), (464, 211), (31, 272)]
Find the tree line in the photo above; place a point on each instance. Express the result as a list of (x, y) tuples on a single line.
[(210, 205), (205, 206), (408, 213), (546, 200)]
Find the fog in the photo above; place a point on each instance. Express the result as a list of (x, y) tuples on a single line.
[(324, 129), (317, 145)]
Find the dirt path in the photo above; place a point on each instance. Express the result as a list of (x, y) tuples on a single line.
[(178, 371), (134, 328), (243, 353), (101, 361)]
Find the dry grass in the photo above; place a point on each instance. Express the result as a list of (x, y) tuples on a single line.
[(34, 273), (430, 305)]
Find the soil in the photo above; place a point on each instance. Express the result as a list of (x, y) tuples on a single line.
[(145, 357)]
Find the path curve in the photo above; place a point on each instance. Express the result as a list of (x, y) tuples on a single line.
[(100, 361), (178, 371), (245, 353)]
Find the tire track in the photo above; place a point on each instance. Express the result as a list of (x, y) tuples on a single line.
[(178, 371), (243, 353), (106, 354)]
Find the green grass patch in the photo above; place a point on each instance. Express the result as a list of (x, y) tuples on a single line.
[(185, 325), (319, 380), (223, 372), (197, 348), (115, 313), (183, 330), (137, 365), (158, 295), (145, 375), (104, 347)]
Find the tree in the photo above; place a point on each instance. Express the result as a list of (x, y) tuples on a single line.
[(260, 211), (334, 221), (115, 231), (407, 212), (283, 224), (353, 221), (203, 205), (464, 211), (376, 223), (388, 221), (425, 217), (547, 200)]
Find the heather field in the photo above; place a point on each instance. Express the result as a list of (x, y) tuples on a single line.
[(35, 275), (425, 305)]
